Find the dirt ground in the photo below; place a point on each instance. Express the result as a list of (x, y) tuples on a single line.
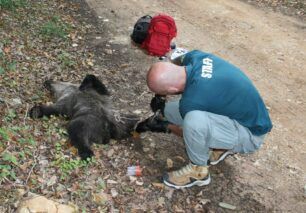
[(269, 46), (271, 49)]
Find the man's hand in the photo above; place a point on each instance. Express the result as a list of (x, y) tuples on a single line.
[(153, 124), (158, 103)]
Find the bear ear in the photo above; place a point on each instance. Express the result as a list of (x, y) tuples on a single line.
[(92, 82)]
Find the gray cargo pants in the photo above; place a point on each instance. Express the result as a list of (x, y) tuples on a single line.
[(203, 131)]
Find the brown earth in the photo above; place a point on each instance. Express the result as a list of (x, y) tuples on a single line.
[(270, 47)]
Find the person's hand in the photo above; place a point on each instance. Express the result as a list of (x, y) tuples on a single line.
[(153, 124), (158, 102)]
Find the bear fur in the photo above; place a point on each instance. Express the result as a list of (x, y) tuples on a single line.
[(88, 108)]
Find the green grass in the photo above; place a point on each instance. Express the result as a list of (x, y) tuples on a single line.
[(6, 64), (66, 60), (11, 4), (7, 165), (67, 165), (16, 147), (55, 28)]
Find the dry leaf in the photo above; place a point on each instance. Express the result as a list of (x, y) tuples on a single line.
[(169, 163), (139, 183), (111, 182), (110, 153), (6, 49), (100, 198), (180, 158), (204, 201), (135, 135), (159, 185)]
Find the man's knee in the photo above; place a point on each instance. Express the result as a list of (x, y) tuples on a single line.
[(197, 122)]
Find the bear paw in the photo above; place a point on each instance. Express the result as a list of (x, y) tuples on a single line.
[(36, 112)]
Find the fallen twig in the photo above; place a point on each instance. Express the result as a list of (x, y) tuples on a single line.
[(31, 170), (26, 115)]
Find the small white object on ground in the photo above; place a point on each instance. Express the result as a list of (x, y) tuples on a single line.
[(178, 52)]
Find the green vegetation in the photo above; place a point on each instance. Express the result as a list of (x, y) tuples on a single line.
[(6, 64), (66, 60), (11, 4), (11, 159), (55, 28), (68, 165), (35, 45)]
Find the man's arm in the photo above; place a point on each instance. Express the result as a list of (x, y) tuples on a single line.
[(178, 55), (177, 130), (178, 60)]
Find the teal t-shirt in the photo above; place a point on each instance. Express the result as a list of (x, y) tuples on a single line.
[(214, 85)]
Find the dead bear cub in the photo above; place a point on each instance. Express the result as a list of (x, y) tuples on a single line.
[(89, 109)]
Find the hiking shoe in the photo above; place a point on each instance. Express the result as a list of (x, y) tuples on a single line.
[(188, 176), (217, 156)]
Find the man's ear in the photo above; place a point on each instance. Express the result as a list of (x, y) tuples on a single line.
[(173, 90)]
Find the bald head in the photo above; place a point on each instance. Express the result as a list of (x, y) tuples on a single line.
[(165, 78)]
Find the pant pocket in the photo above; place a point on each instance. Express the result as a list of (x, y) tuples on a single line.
[(224, 134), (248, 143)]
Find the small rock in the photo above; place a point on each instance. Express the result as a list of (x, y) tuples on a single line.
[(75, 45), (114, 192), (15, 102), (169, 194), (153, 144), (21, 192), (37, 203), (132, 179), (34, 205), (204, 201), (188, 200), (178, 209), (139, 183), (256, 163), (110, 153), (137, 111), (43, 163), (100, 198), (52, 181), (146, 149), (198, 207), (108, 51), (227, 206), (237, 157), (66, 208), (106, 20), (161, 201)]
